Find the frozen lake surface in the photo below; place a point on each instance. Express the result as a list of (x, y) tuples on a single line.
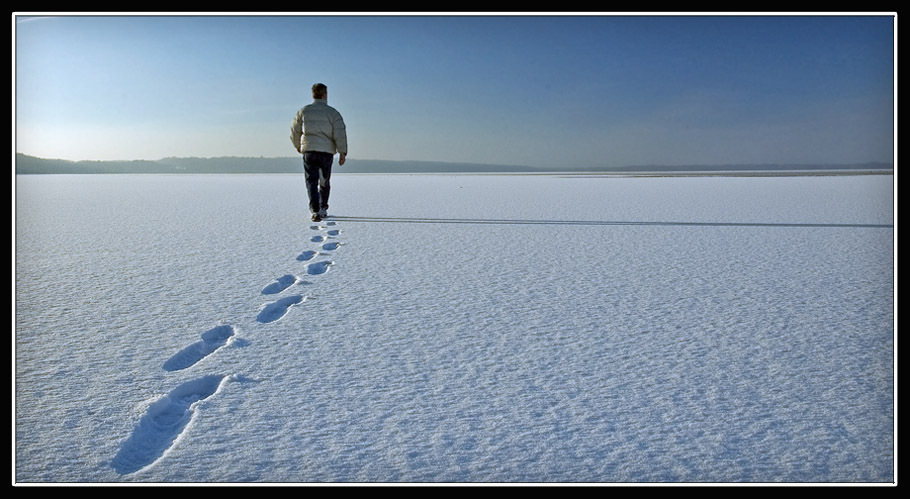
[(454, 328)]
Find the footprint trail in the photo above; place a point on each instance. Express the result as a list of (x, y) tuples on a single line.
[(164, 422), (212, 340), (167, 419), (307, 256), (319, 267), (277, 309), (280, 284)]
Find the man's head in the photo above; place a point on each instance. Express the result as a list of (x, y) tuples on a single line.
[(320, 91)]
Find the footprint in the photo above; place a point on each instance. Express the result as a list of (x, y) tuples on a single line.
[(306, 256), (333, 232), (212, 340), (318, 267), (280, 284), (318, 239), (276, 310), (164, 422), (331, 246)]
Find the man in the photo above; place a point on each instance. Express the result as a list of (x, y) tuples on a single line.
[(318, 132)]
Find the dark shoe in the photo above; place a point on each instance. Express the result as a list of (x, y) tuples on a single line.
[(316, 217)]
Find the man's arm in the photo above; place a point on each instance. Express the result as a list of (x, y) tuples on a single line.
[(340, 137), (296, 130)]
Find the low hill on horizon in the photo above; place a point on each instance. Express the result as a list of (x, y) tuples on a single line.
[(31, 165)]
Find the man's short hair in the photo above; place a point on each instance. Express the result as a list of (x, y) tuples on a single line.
[(319, 90)]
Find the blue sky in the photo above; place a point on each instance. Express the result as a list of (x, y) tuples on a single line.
[(523, 90)]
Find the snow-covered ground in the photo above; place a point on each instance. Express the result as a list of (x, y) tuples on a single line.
[(454, 328)]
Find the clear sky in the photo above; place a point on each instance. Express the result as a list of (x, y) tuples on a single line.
[(519, 90)]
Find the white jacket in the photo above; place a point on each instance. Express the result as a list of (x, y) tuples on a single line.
[(319, 127)]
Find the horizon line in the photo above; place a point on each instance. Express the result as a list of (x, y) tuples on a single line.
[(641, 165)]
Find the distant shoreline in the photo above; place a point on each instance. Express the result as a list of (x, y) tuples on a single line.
[(31, 165)]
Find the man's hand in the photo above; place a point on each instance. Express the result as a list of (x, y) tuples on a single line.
[(341, 159)]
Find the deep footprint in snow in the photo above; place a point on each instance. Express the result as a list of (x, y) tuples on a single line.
[(331, 246), (164, 421), (306, 256), (319, 267), (280, 284), (318, 239), (276, 310), (212, 340), (333, 232)]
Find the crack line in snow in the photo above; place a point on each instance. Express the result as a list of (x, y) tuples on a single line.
[(600, 222)]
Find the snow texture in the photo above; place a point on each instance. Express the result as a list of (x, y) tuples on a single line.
[(454, 328)]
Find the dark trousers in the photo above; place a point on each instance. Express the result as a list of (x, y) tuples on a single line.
[(317, 169)]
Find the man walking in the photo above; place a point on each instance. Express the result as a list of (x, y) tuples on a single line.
[(318, 132)]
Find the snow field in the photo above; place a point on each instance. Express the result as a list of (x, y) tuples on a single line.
[(190, 329)]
